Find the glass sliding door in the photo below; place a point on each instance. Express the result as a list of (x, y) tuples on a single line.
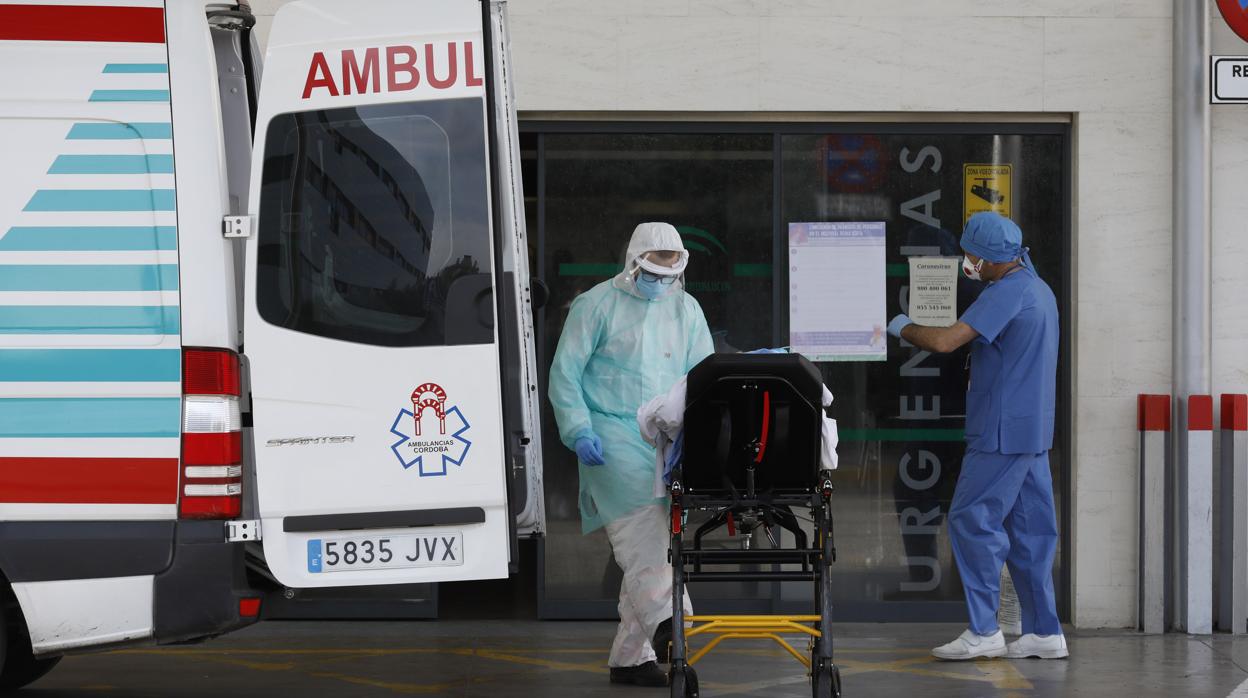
[(732, 190), (717, 190)]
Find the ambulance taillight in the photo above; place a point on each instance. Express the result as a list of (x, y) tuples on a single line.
[(211, 485)]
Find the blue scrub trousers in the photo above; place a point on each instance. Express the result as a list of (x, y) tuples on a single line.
[(1003, 512)]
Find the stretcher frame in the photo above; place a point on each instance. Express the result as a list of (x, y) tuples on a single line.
[(815, 560)]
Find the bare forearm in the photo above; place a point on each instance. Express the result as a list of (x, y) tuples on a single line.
[(940, 340)]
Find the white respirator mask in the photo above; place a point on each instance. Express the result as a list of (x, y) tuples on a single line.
[(972, 270)]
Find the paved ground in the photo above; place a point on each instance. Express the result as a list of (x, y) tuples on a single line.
[(535, 659)]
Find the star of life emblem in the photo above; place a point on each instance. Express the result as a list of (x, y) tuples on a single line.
[(432, 434)]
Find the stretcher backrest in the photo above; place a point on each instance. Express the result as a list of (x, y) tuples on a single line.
[(759, 411)]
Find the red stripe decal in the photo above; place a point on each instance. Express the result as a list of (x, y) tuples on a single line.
[(144, 25), (762, 440), (1235, 412), (89, 480), (1200, 413), (1154, 413)]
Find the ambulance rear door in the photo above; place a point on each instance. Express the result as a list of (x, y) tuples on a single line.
[(371, 298)]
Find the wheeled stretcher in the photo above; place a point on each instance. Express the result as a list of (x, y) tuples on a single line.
[(751, 460)]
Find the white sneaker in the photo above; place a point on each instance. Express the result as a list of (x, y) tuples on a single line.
[(1039, 646), (971, 645)]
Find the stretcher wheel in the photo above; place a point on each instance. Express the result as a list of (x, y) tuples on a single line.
[(825, 681), (685, 683)]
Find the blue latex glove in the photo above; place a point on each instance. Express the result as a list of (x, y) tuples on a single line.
[(589, 449), (781, 350), (894, 327), (674, 456)]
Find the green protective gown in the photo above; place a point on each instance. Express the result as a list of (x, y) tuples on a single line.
[(619, 350)]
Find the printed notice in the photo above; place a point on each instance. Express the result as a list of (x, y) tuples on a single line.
[(934, 290), (836, 291)]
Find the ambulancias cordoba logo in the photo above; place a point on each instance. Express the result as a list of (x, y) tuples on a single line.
[(437, 438)]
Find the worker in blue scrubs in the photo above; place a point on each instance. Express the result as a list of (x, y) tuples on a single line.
[(1002, 510)]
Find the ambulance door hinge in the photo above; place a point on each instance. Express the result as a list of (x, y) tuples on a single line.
[(242, 531), (233, 227)]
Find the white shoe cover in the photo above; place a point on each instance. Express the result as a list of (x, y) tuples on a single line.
[(970, 645), (1039, 646)]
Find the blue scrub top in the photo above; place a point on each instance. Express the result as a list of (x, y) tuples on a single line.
[(1010, 400)]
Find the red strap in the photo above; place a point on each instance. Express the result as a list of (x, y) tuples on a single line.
[(762, 440), (732, 525)]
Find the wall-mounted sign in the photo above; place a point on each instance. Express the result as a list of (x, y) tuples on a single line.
[(1235, 12), (986, 188), (836, 291), (934, 290), (1228, 79)]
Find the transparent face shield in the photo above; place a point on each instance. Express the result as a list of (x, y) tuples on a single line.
[(654, 274)]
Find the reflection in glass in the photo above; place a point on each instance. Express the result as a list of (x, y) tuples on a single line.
[(360, 236)]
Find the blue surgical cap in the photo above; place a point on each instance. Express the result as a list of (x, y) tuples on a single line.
[(993, 237)]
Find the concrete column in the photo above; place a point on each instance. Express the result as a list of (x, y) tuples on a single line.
[(1233, 517), (1191, 305), (1192, 239), (1154, 427)]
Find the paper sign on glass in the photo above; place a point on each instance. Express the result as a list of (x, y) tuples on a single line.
[(934, 290), (836, 291)]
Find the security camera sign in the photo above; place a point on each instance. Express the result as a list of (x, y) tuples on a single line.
[(987, 188)]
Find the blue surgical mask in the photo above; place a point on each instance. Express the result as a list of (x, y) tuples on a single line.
[(651, 288)]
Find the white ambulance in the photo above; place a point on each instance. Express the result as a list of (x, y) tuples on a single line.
[(323, 352)]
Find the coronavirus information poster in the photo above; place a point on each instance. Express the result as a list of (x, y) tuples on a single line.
[(836, 291), (934, 290)]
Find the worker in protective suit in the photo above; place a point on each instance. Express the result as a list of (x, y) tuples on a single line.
[(1002, 509), (625, 341)]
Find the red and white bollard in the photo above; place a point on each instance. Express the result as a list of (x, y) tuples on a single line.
[(1154, 427), (1233, 517), (1195, 517)]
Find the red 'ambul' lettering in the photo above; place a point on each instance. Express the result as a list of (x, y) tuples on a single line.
[(394, 66), (471, 68), (361, 70), (319, 76), (351, 72), (431, 70)]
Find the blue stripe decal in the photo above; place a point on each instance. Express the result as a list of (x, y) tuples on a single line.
[(136, 68), (115, 131), (91, 365), (102, 200), (112, 164), (130, 96), (139, 417), (89, 319), (89, 238), (88, 277)]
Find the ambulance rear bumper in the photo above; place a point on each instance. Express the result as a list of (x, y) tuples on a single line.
[(198, 596)]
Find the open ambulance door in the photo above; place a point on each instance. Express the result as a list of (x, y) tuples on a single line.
[(395, 419)]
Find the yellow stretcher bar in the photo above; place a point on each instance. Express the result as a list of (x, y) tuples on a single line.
[(751, 628)]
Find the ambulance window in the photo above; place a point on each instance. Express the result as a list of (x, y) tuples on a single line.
[(374, 223)]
